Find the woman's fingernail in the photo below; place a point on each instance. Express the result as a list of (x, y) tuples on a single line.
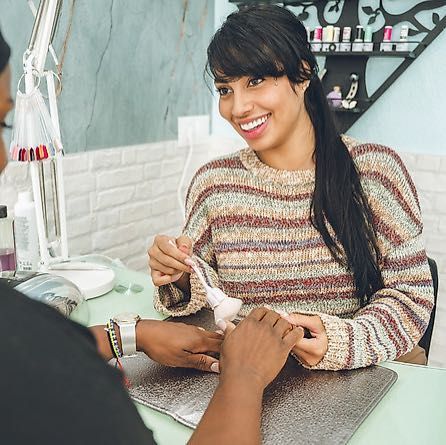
[(283, 314), (189, 262), (215, 367), (218, 331), (201, 329), (221, 324)]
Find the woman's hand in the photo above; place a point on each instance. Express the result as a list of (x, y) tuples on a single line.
[(178, 344), (310, 350), (258, 347), (166, 259)]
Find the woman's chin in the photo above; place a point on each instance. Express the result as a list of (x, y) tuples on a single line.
[(260, 144)]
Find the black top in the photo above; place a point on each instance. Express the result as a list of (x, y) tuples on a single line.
[(54, 387)]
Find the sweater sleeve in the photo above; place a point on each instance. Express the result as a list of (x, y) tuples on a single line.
[(169, 299), (398, 314)]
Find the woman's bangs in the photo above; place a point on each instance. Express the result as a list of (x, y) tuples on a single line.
[(230, 60)]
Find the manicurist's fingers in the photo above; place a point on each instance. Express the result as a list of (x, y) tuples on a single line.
[(282, 326), (258, 313), (293, 336), (202, 362), (311, 322)]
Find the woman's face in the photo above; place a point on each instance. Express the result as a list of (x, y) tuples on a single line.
[(6, 105), (265, 111)]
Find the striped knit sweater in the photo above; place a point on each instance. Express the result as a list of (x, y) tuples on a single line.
[(253, 237)]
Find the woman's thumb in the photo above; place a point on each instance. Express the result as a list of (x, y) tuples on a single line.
[(184, 244)]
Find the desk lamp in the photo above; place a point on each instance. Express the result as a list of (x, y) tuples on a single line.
[(36, 140)]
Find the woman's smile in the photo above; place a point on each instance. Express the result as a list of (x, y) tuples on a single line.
[(254, 128)]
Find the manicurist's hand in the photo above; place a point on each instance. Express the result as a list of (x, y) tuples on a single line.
[(252, 355), (166, 260), (178, 344), (310, 350), (258, 347)]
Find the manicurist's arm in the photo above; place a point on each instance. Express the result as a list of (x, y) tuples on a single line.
[(251, 357), (171, 344)]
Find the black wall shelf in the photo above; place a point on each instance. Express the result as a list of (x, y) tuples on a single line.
[(339, 65), (395, 54)]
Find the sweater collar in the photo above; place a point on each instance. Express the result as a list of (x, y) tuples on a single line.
[(251, 162)]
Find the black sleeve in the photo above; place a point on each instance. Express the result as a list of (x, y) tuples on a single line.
[(54, 387)]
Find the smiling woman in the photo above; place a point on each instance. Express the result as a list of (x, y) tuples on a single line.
[(306, 220)]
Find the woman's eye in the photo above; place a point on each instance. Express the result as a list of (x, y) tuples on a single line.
[(256, 81), (223, 91)]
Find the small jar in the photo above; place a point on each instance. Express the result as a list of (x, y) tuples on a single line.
[(7, 250)]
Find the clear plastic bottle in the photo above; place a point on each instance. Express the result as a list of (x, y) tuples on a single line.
[(7, 251), (26, 239)]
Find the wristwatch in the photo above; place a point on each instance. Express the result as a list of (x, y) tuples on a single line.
[(127, 328)]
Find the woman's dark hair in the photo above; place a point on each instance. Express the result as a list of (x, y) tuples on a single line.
[(267, 40)]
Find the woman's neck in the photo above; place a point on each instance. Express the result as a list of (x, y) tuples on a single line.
[(296, 153)]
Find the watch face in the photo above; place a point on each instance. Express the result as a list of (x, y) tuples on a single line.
[(126, 317)]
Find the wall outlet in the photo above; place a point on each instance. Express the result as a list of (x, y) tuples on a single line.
[(192, 129)]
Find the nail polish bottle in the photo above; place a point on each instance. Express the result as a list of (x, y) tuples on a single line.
[(357, 45), (403, 44), (346, 45), (386, 44), (317, 39)]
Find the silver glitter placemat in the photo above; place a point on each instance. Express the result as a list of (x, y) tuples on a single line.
[(300, 406)]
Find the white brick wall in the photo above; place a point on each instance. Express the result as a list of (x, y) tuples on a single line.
[(118, 199), (429, 175)]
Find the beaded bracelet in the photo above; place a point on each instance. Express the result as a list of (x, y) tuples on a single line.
[(113, 339), (110, 329)]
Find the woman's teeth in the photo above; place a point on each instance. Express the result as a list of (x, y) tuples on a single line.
[(253, 124)]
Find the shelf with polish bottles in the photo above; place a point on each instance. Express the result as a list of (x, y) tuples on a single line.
[(327, 41), (375, 53)]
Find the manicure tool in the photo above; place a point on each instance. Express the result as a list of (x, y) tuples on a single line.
[(224, 307)]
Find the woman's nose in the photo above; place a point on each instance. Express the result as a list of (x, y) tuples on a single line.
[(241, 105)]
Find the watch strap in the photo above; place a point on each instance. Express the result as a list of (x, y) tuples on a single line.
[(128, 337)]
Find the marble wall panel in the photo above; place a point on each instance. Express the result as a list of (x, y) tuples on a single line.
[(131, 67)]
